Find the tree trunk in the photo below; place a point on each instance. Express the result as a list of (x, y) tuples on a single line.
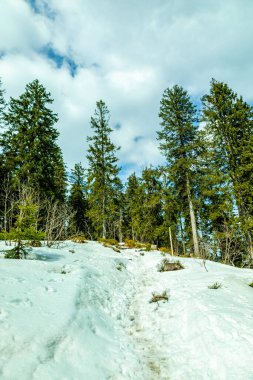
[(193, 219), (182, 234), (104, 222), (120, 226), (171, 242)]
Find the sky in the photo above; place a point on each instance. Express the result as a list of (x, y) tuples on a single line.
[(126, 53)]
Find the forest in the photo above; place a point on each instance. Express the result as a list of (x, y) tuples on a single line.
[(200, 203)]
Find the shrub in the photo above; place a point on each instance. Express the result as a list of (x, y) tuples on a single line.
[(108, 241), (133, 244), (215, 285), (130, 243), (3, 236), (148, 247), (18, 252), (251, 284), (167, 265), (164, 249), (156, 297)]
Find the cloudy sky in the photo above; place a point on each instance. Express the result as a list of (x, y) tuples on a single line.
[(125, 52)]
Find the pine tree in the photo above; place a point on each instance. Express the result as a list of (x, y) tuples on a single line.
[(215, 203), (3, 104), (26, 223), (104, 186), (152, 205), (134, 198), (179, 143), (77, 201), (31, 154), (230, 120), (170, 234), (3, 173)]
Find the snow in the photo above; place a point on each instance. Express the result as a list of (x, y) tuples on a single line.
[(86, 315)]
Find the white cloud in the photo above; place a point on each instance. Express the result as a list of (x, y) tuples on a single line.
[(127, 53)]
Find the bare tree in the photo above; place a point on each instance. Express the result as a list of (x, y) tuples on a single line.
[(57, 218)]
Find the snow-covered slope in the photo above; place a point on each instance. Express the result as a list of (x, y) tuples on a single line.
[(85, 315)]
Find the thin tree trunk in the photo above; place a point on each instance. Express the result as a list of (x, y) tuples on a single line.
[(171, 242), (104, 222), (120, 226), (193, 220), (182, 235)]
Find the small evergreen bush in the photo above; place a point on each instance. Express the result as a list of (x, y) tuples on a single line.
[(18, 252)]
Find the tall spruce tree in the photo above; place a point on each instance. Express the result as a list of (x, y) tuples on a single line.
[(134, 198), (103, 183), (170, 232), (179, 143), (77, 201), (215, 202), (152, 205), (29, 149), (2, 104), (3, 174), (230, 120)]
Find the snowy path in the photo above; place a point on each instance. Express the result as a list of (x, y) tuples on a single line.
[(200, 333), (86, 316)]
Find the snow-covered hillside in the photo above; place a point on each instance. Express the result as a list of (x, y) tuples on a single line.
[(82, 312)]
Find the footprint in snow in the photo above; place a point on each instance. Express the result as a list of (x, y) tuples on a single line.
[(3, 314), (20, 279), (16, 301), (50, 289)]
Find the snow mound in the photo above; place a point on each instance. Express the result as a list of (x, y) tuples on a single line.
[(83, 312)]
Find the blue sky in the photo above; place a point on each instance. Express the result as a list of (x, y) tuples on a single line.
[(126, 53)]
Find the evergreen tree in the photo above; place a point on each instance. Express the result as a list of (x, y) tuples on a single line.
[(170, 232), (179, 143), (134, 198), (230, 120), (30, 152), (104, 186), (3, 173), (215, 202), (152, 205), (2, 104), (78, 201), (26, 224)]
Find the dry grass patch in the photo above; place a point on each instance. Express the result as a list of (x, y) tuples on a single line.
[(215, 285), (108, 241), (167, 265), (35, 243), (156, 297), (78, 239)]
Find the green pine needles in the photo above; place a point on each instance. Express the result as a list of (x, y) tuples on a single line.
[(199, 203), (103, 183)]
